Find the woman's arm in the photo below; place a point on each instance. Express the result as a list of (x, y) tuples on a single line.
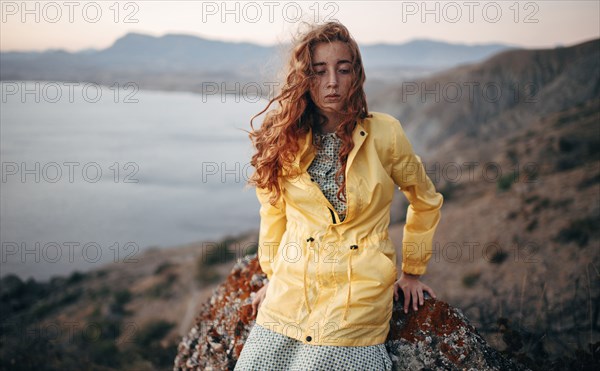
[(423, 216), (423, 213), (272, 226)]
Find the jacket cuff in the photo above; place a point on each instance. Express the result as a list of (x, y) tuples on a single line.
[(417, 269)]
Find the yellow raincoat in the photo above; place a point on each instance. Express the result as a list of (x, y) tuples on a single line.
[(331, 282)]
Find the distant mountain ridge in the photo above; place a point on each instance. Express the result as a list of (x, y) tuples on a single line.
[(182, 62)]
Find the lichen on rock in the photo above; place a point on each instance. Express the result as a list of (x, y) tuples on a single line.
[(436, 337)]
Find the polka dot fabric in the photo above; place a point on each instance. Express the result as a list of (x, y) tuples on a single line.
[(268, 350), (323, 168)]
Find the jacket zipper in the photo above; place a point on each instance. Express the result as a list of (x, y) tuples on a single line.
[(332, 215)]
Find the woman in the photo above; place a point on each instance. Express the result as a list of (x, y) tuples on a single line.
[(326, 171)]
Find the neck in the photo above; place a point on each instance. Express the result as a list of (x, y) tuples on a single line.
[(333, 121)]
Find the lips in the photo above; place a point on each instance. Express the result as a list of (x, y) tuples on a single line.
[(332, 96)]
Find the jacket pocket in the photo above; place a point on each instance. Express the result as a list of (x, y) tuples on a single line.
[(392, 269), (285, 292), (283, 300), (369, 297)]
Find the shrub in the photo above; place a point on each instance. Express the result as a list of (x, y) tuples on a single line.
[(218, 253), (75, 277), (153, 332), (163, 267), (499, 257), (588, 182), (505, 182), (544, 203), (252, 249), (511, 154), (148, 344), (120, 298), (163, 288), (449, 190), (206, 274), (470, 279), (532, 225), (579, 231)]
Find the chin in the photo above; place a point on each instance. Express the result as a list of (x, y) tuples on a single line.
[(332, 107)]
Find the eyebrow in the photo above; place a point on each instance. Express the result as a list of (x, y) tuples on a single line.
[(341, 61)]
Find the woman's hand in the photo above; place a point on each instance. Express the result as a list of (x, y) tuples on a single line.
[(258, 298), (412, 288)]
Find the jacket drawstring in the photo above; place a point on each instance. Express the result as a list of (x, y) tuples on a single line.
[(349, 270), (310, 241)]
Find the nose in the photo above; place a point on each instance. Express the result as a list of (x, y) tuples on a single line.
[(332, 80)]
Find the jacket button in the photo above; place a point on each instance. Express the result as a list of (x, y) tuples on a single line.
[(362, 133), (308, 338)]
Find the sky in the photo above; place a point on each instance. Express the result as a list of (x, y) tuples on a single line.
[(76, 25)]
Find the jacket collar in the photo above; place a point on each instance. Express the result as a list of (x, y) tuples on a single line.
[(307, 152)]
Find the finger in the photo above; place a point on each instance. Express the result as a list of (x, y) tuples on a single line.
[(414, 299), (431, 292), (260, 302), (254, 305), (420, 292), (406, 299)]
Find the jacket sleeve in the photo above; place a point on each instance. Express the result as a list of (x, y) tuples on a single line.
[(272, 226), (424, 211)]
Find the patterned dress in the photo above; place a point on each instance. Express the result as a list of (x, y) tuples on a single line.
[(323, 168), (268, 350)]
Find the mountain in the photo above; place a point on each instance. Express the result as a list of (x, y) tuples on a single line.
[(495, 96), (427, 53), (183, 62)]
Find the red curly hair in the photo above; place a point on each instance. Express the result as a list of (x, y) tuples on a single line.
[(276, 141)]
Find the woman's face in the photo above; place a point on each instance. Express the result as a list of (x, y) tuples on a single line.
[(332, 63)]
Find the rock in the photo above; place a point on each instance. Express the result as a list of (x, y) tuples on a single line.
[(436, 337)]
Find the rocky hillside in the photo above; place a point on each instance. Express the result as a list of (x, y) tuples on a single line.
[(520, 230), (122, 316), (489, 100)]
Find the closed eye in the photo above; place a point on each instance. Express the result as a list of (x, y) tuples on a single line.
[(342, 71)]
